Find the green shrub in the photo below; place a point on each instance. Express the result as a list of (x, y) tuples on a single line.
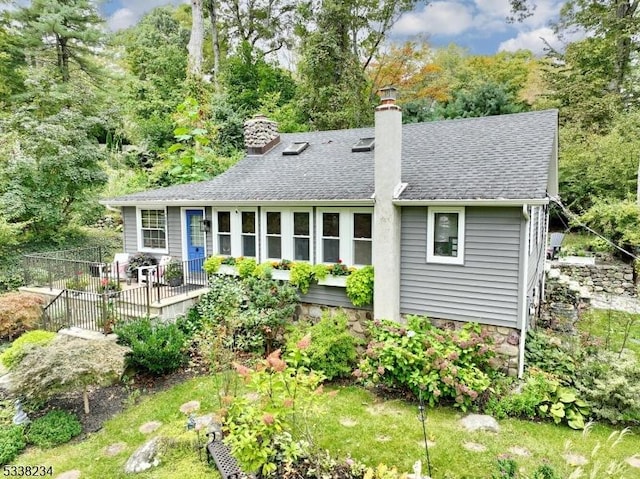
[(223, 299), (191, 322), (246, 267), (332, 348), (15, 352), (301, 276), (611, 384), (549, 353), (360, 286), (212, 264), (54, 428), (157, 348), (420, 357), (12, 443)]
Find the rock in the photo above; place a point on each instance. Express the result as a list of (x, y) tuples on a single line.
[(507, 349), (519, 451), (114, 449), (149, 427), (480, 422), (189, 407), (74, 474), (202, 422), (315, 312), (474, 447), (145, 457), (574, 459), (5, 382), (633, 461), (348, 422)]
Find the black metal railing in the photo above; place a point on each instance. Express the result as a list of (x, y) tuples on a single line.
[(98, 302)]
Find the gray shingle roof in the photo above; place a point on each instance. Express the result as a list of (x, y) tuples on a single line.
[(498, 157)]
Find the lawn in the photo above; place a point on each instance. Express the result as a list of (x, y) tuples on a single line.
[(354, 423), (612, 327)]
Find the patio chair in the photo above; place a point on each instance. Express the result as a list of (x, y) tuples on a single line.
[(555, 244), (156, 272), (119, 266)]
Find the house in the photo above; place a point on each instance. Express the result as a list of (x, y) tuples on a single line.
[(452, 214)]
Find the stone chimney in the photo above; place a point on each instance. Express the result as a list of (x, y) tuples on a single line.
[(260, 135), (386, 216)]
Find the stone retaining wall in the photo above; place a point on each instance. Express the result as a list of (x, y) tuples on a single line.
[(565, 300), (507, 340), (601, 278)]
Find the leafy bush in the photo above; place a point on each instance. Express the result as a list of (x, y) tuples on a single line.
[(420, 357), (12, 443), (138, 260), (19, 312), (54, 428), (212, 264), (191, 322), (332, 348), (246, 267), (15, 352), (611, 384), (550, 354), (301, 276), (360, 286), (157, 348), (223, 299), (67, 364)]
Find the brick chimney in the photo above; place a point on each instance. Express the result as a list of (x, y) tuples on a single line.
[(260, 135), (386, 230)]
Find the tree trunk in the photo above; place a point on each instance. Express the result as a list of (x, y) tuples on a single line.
[(85, 398), (213, 16), (194, 64)]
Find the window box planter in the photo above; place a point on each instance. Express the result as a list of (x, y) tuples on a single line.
[(331, 280), (281, 274), (228, 270)]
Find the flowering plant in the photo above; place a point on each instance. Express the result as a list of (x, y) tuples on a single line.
[(339, 269)]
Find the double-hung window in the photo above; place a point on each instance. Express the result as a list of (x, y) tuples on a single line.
[(362, 238), (345, 235), (330, 237), (224, 232), (286, 234), (301, 236), (152, 229), (274, 235), (248, 228), (445, 235)]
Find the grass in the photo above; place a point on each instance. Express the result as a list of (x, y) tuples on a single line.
[(354, 423), (614, 328)]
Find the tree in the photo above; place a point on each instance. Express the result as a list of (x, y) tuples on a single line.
[(68, 28), (68, 364), (485, 99), (12, 63), (194, 63), (213, 10)]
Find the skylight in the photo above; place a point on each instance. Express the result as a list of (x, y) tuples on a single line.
[(296, 148), (364, 144)]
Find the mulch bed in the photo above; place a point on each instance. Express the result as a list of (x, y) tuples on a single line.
[(106, 402)]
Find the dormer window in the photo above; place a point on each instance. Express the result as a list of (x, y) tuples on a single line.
[(296, 148), (364, 144)]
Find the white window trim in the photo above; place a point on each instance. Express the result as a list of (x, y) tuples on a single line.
[(139, 210), (236, 230), (431, 257), (346, 233), (541, 217), (286, 232)]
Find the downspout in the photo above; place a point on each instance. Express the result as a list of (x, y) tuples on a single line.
[(525, 305)]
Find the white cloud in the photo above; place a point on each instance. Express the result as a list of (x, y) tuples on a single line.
[(532, 40), (134, 10), (437, 18)]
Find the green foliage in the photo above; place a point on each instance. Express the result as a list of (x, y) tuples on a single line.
[(19, 312), (485, 99), (550, 354), (12, 443), (54, 428), (610, 382), (173, 271), (543, 396), (301, 276), (263, 271), (138, 260), (617, 220), (331, 347), (11, 356), (212, 264), (223, 299), (420, 357), (260, 431), (157, 348), (67, 364), (191, 322), (360, 286), (246, 267)]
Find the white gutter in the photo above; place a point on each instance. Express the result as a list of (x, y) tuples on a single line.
[(525, 281), (231, 203), (473, 202)]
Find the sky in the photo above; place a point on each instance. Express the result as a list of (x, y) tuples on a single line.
[(478, 25)]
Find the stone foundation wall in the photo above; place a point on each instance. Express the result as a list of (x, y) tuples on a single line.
[(602, 278), (506, 340)]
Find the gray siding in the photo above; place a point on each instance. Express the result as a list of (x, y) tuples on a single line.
[(174, 231), (327, 296), (537, 256), (484, 289), (129, 229)]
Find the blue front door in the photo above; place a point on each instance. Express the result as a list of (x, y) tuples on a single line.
[(195, 239)]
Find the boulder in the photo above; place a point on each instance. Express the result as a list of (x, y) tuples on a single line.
[(145, 457)]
